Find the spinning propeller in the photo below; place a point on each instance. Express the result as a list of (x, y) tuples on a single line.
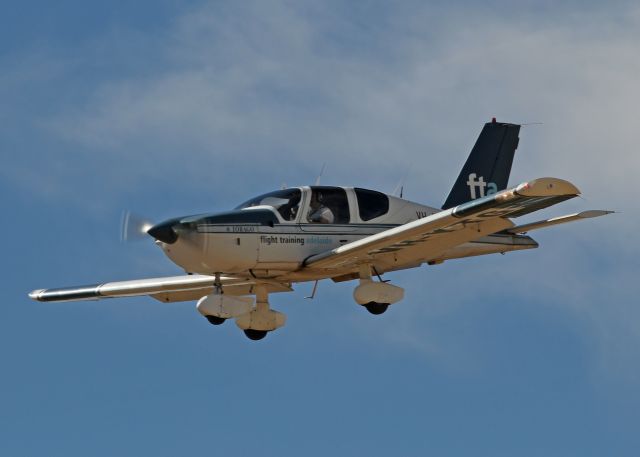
[(135, 227)]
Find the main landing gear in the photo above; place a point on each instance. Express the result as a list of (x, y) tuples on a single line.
[(375, 296), (256, 321), (376, 308)]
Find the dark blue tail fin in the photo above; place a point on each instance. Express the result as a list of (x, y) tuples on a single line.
[(487, 169)]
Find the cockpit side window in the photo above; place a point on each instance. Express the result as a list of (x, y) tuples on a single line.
[(329, 205), (286, 202), (371, 204)]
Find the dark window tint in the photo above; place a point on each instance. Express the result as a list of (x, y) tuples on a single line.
[(371, 204), (328, 205)]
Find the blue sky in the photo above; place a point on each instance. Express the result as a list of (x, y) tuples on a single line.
[(169, 108)]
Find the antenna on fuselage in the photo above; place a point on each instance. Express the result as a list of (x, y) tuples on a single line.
[(399, 190), (320, 175)]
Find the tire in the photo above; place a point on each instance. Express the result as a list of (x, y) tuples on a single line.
[(215, 320), (255, 335), (376, 308)]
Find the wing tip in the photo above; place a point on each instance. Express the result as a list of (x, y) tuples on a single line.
[(547, 187), (35, 294)]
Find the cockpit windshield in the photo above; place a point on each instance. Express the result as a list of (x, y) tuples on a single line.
[(286, 202)]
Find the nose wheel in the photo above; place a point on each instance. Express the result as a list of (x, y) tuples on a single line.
[(261, 319), (254, 320), (255, 335)]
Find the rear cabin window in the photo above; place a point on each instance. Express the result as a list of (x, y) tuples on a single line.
[(371, 204)]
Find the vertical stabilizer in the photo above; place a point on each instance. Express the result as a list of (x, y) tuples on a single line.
[(487, 169)]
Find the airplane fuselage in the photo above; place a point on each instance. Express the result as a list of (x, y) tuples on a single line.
[(272, 235)]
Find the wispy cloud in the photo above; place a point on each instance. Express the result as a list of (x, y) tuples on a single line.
[(269, 83)]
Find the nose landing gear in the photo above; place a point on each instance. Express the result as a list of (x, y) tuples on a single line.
[(261, 319), (256, 321), (255, 335)]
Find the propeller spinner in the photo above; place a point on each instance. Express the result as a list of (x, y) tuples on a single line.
[(134, 227)]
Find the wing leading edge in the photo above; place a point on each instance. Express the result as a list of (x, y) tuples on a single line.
[(167, 289)]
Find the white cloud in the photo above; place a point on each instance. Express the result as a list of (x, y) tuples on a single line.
[(270, 83)]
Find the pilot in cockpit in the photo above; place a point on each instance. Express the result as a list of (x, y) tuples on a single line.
[(318, 212)]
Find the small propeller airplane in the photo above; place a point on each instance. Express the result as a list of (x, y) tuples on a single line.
[(234, 260)]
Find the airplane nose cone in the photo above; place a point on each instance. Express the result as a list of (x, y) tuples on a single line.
[(164, 232)]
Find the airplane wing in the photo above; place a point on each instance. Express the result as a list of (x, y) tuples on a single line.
[(446, 229), (167, 289)]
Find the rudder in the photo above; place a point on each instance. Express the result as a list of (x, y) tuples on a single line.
[(488, 166)]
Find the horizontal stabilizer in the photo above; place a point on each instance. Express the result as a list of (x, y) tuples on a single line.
[(558, 220)]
